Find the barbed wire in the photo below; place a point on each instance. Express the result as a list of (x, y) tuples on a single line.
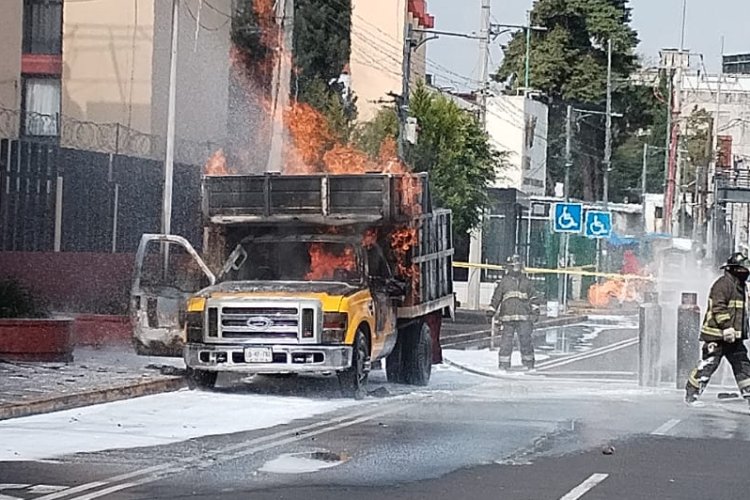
[(114, 138)]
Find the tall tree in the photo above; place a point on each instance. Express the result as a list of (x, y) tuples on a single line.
[(452, 147), (322, 46), (569, 63)]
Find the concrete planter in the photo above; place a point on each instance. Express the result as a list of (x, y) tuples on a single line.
[(100, 330), (36, 339)]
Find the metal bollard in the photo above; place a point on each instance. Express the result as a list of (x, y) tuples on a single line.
[(688, 333), (649, 342)]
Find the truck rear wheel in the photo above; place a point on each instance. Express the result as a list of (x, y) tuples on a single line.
[(353, 381), (416, 354), (201, 379)]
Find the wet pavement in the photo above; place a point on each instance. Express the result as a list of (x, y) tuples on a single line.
[(464, 436)]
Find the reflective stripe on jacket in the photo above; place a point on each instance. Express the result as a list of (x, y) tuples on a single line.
[(512, 298), (726, 308)]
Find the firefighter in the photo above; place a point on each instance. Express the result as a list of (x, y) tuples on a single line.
[(725, 327), (512, 306)]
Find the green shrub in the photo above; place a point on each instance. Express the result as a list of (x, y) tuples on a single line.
[(17, 301)]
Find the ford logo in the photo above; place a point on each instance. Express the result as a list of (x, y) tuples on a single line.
[(259, 323)]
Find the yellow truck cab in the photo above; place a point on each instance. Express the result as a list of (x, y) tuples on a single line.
[(302, 274)]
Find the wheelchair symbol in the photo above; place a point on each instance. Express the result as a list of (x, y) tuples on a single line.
[(566, 221), (597, 227)]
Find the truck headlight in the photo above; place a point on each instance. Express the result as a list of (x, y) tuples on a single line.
[(334, 327), (196, 304)]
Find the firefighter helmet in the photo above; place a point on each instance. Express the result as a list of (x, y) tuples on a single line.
[(737, 259)]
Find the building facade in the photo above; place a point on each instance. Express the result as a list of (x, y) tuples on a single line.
[(66, 66), (377, 50), (518, 126)]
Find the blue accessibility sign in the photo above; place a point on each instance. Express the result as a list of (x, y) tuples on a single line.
[(568, 218), (598, 224)]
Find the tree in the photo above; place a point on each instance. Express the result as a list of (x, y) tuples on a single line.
[(569, 63), (452, 147), (322, 47)]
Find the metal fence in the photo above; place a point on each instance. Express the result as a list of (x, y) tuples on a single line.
[(112, 138), (54, 198)]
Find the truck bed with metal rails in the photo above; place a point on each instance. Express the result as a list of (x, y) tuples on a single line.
[(384, 201)]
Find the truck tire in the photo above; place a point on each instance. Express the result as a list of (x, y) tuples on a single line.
[(353, 381), (201, 379), (393, 364), (416, 354)]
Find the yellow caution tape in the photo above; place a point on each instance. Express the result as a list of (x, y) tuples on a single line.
[(571, 271)]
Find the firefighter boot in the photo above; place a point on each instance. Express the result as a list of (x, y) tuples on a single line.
[(691, 396)]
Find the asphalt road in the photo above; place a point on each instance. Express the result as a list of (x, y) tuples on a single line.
[(463, 437)]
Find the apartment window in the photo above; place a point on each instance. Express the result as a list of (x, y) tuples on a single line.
[(41, 107), (42, 26)]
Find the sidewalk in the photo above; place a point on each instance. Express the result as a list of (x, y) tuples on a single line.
[(95, 376)]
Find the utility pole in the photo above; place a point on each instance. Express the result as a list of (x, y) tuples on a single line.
[(714, 156), (166, 220), (527, 62), (644, 174), (484, 58), (672, 201), (474, 284), (608, 133), (403, 104), (564, 237), (281, 83)]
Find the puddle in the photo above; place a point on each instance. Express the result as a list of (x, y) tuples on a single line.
[(297, 463)]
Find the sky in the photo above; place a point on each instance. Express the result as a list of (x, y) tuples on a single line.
[(455, 61)]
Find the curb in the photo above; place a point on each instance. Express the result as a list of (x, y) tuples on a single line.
[(77, 400)]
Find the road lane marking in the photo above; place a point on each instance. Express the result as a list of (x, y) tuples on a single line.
[(202, 463), (585, 487), (298, 433), (588, 354), (667, 426), (106, 491), (73, 491), (163, 467)]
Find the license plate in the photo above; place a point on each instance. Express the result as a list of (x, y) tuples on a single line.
[(258, 355)]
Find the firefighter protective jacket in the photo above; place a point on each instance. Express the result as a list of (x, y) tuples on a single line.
[(513, 295), (726, 308)]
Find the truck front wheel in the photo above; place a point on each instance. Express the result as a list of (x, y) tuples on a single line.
[(201, 379), (416, 354), (353, 381)]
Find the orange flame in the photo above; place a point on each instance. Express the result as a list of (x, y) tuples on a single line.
[(602, 295), (402, 241), (324, 264), (216, 164)]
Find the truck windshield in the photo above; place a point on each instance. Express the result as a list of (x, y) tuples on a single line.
[(299, 261)]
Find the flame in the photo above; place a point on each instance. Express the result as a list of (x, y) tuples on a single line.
[(402, 241), (324, 264), (601, 295), (216, 164)]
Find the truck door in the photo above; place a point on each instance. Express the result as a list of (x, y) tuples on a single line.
[(167, 271), (383, 303)]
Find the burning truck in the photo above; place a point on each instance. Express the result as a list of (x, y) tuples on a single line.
[(301, 274)]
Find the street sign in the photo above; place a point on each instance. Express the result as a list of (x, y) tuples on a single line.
[(598, 224), (568, 218)]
